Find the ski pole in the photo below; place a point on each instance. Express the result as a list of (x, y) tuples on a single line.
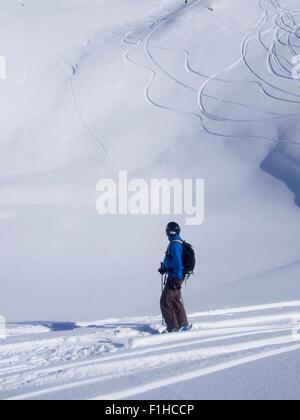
[(162, 290)]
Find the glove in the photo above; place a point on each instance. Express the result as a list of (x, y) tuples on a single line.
[(162, 271)]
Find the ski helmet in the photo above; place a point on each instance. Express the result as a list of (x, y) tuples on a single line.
[(173, 229)]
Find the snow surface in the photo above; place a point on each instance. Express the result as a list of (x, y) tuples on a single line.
[(83, 76), (237, 353), (161, 90)]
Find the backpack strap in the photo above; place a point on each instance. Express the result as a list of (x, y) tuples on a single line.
[(175, 241)]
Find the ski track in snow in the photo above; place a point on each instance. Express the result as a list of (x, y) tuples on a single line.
[(90, 359), (95, 360), (271, 21), (68, 69), (260, 82)]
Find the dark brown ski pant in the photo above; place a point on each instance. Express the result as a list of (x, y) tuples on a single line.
[(172, 308)]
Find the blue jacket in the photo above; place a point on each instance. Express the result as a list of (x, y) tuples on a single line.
[(173, 261)]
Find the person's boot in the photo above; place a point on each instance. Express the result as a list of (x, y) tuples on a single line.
[(187, 328)]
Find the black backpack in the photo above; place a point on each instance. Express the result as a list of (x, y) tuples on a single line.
[(188, 258)]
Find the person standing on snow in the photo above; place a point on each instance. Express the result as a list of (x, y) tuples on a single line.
[(171, 304)]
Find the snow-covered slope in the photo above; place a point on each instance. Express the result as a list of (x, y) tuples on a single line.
[(166, 90), (162, 90), (237, 353)]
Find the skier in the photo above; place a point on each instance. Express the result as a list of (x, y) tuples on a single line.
[(171, 300)]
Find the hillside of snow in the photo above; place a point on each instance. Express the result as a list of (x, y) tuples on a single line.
[(161, 90), (236, 353), (208, 90)]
